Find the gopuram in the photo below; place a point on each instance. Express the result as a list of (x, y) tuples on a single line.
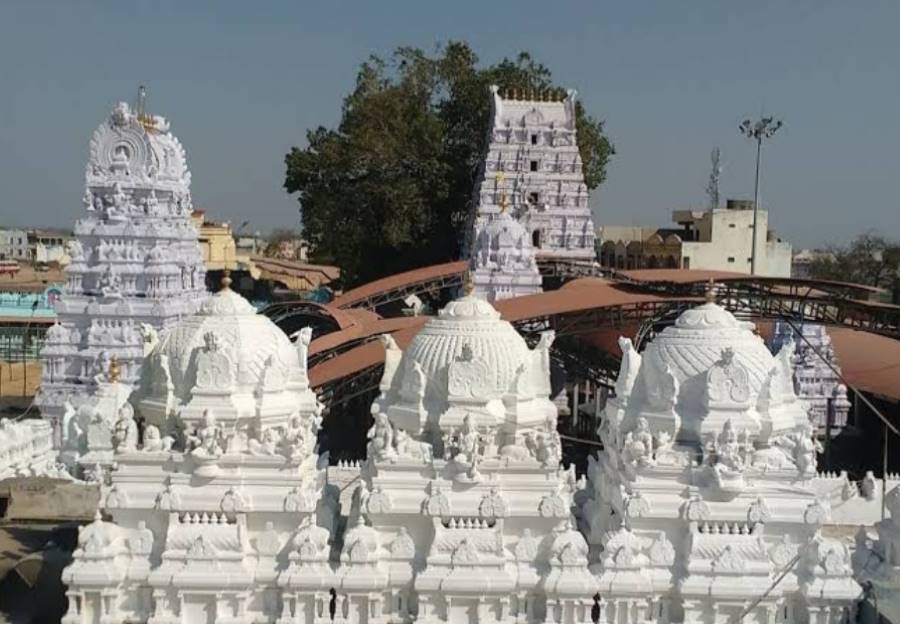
[(815, 379), (532, 173), (136, 266)]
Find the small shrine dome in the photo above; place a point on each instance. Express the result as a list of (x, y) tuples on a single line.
[(469, 326), (707, 369), (466, 364), (251, 341), (696, 340)]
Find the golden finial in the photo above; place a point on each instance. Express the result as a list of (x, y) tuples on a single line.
[(710, 294), (114, 371), (226, 279), (468, 285)]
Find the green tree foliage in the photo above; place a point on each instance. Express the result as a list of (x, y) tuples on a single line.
[(389, 189), (868, 259)]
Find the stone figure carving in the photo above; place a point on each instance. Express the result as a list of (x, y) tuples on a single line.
[(125, 432), (628, 370), (149, 337), (381, 438), (410, 448), (637, 448), (304, 337), (154, 442), (110, 283), (728, 382), (267, 445), (207, 439), (214, 369)]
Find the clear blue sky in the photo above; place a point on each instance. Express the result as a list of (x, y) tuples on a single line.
[(241, 81)]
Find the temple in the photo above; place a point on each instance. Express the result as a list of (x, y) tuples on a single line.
[(136, 265), (212, 501), (533, 159), (707, 488), (816, 376), (503, 260)]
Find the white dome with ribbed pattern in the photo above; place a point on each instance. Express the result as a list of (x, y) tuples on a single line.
[(251, 341), (467, 323)]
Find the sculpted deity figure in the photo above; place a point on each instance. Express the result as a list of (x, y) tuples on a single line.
[(637, 449), (207, 438), (125, 431), (268, 445), (469, 440), (304, 337), (381, 438), (110, 283), (410, 448), (101, 367), (805, 448), (728, 450)]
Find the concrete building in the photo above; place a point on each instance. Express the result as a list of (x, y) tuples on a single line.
[(13, 244), (46, 246), (717, 240), (216, 243)]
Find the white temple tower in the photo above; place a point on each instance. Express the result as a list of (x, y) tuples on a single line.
[(533, 144), (817, 385), (136, 264), (503, 262)]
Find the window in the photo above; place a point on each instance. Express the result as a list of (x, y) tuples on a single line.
[(533, 198), (732, 225), (730, 258), (534, 139), (534, 165), (685, 263)]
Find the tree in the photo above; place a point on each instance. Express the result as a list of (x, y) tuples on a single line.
[(868, 259), (390, 187)]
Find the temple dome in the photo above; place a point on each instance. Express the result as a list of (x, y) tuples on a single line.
[(250, 341), (710, 367), (696, 340), (473, 325)]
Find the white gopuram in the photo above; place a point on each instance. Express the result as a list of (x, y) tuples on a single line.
[(136, 263), (211, 508), (503, 262), (533, 145), (706, 492), (817, 385)]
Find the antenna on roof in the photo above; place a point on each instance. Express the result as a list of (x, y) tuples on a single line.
[(712, 189)]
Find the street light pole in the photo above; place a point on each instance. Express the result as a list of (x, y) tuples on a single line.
[(759, 130)]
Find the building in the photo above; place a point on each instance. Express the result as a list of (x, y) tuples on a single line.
[(533, 160), (705, 492), (135, 263), (49, 246), (715, 240), (503, 261), (707, 488), (216, 243), (14, 244), (802, 261), (815, 378), (214, 506)]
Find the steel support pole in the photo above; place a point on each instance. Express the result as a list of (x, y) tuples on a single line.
[(755, 206)]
